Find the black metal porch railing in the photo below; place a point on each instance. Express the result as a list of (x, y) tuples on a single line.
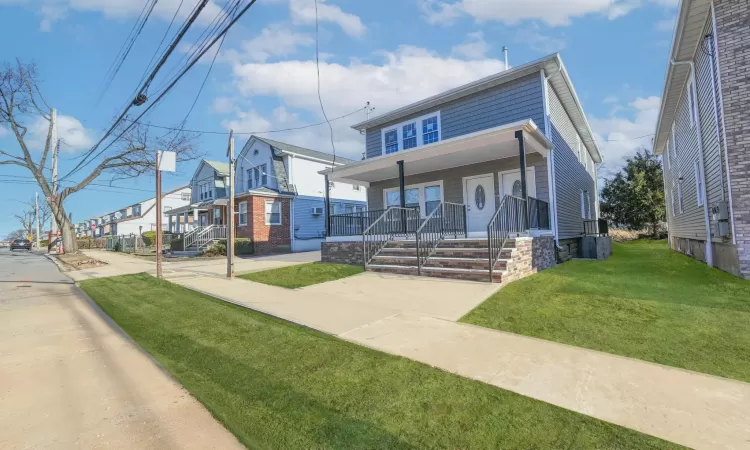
[(538, 214), (510, 218), (446, 219), (353, 224), (394, 222), (597, 227)]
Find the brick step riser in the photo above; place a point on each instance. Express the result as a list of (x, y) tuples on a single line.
[(394, 261), (467, 264), (482, 277), (397, 253)]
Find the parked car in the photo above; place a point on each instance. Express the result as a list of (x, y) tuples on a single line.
[(20, 244)]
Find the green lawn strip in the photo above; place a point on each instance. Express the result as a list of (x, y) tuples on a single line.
[(278, 385), (302, 275), (645, 302)]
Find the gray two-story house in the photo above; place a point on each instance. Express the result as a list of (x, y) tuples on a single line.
[(209, 190), (510, 156), (703, 134)]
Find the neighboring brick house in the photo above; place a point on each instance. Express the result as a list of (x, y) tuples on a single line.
[(703, 134), (264, 218), (454, 178)]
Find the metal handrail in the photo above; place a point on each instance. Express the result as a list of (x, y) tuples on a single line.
[(210, 234), (191, 236), (538, 214), (446, 218), (511, 217), (352, 224), (395, 221)]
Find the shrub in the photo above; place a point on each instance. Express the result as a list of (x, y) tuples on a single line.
[(149, 238), (242, 246), (218, 249)]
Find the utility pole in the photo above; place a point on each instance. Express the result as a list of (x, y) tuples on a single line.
[(36, 207), (158, 218), (230, 214), (53, 141)]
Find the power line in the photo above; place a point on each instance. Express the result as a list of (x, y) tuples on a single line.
[(251, 132), (317, 68), (193, 16)]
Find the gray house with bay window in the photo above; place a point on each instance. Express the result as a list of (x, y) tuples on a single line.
[(501, 163)]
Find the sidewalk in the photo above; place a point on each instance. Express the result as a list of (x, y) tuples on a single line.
[(692, 409)]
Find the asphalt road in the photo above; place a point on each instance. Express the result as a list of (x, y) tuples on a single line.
[(70, 379)]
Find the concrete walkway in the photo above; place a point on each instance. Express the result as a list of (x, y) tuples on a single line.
[(416, 318), (70, 380)]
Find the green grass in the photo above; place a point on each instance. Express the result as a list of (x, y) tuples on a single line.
[(278, 385), (302, 275), (646, 302)]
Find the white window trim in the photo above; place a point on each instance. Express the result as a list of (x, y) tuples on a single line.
[(693, 111), (674, 143), (239, 213), (400, 132), (583, 205), (266, 215), (419, 186), (674, 210), (679, 196), (698, 183)]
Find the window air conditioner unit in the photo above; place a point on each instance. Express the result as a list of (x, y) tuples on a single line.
[(318, 210)]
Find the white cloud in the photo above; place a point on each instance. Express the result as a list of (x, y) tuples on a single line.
[(627, 129), (52, 11), (222, 105), (475, 47), (4, 131), (69, 129), (553, 13), (274, 40), (665, 25), (539, 42), (403, 76), (303, 12), (610, 99)]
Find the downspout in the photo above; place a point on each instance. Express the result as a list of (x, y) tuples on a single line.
[(551, 162), (715, 54), (699, 134)]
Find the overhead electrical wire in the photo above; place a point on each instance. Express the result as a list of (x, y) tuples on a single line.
[(193, 16), (122, 55), (317, 68), (172, 84)]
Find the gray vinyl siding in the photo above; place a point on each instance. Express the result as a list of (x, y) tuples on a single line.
[(571, 177), (453, 189), (519, 100), (691, 222)]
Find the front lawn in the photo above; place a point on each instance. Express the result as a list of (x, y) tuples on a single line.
[(279, 385), (302, 275), (646, 302)]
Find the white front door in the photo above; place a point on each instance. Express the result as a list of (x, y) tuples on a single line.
[(479, 197), (510, 183)]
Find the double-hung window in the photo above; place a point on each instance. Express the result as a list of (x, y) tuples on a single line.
[(273, 212), (430, 131), (391, 141), (414, 133), (425, 196), (691, 102), (242, 213), (699, 183), (250, 179), (679, 196), (409, 135), (256, 174), (263, 175)]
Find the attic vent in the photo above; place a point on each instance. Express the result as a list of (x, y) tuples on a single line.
[(256, 152)]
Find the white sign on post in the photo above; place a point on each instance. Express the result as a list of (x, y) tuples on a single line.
[(167, 161)]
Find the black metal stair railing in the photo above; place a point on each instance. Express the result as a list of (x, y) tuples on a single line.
[(446, 219), (509, 219), (394, 222)]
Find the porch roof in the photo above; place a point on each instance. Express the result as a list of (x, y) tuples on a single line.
[(486, 145)]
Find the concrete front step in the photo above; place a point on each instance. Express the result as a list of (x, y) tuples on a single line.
[(463, 263), (439, 272), (450, 243)]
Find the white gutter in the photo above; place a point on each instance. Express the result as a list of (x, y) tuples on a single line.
[(699, 134), (551, 155), (715, 54)]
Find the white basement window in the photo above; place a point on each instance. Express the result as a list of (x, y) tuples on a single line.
[(412, 133)]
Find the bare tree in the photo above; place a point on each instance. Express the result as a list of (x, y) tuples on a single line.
[(131, 155), (27, 217), (17, 234)]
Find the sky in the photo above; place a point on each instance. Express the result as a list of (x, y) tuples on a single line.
[(389, 53)]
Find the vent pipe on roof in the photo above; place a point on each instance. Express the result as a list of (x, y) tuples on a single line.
[(505, 54)]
